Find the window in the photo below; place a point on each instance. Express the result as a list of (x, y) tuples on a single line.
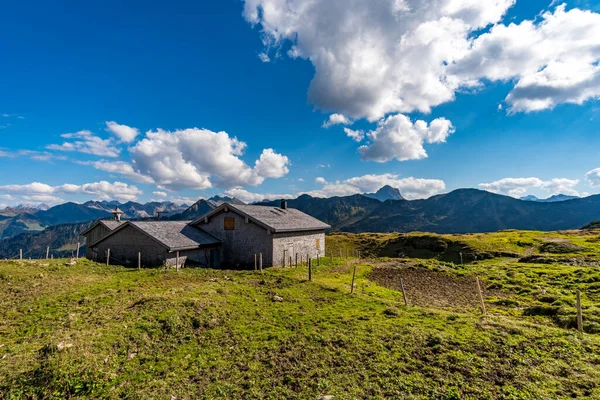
[(318, 244), (229, 224)]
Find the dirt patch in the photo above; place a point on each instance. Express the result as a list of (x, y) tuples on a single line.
[(570, 261), (426, 288)]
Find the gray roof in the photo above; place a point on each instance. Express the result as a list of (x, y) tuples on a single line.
[(173, 235), (176, 235), (111, 225), (274, 218)]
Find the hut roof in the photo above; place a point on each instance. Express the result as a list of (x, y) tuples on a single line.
[(173, 235), (276, 219)]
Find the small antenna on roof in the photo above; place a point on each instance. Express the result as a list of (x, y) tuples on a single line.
[(159, 214)]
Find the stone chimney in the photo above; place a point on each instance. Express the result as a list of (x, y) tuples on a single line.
[(283, 205), (117, 214)]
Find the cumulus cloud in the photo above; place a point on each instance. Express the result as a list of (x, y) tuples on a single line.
[(125, 133), (198, 158), (249, 197), (99, 190), (119, 167), (411, 188), (86, 142), (356, 135), (593, 177), (396, 137), (336, 119), (162, 195), (518, 187), (399, 56)]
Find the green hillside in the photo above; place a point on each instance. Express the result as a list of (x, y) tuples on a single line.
[(84, 330)]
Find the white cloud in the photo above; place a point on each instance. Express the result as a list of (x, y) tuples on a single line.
[(399, 56), (198, 158), (162, 195), (125, 133), (554, 60), (593, 177), (336, 119), (271, 165), (85, 142), (99, 190), (411, 188), (119, 167), (518, 187), (396, 137), (356, 135), (249, 197), (184, 200), (264, 57)]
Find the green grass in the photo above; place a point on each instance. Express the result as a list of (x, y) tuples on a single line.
[(219, 334)]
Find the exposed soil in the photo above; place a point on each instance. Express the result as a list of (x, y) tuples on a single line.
[(428, 288)]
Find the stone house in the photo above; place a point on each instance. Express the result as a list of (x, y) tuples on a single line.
[(278, 233), (229, 235), (158, 243)]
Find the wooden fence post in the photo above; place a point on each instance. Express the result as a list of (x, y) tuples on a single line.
[(78, 244), (47, 252), (353, 280), (359, 254), (139, 261), (340, 252), (21, 254), (331, 255), (318, 260), (310, 270), (260, 262), (579, 312), (481, 298), (346, 253), (177, 262), (296, 260), (255, 262), (403, 292), (108, 258)]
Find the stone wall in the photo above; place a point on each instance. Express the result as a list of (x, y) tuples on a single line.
[(125, 245), (240, 244), (303, 243)]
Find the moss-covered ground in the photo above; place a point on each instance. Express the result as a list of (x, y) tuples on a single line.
[(85, 330)]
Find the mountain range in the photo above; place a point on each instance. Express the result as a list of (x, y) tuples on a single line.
[(460, 211), (553, 199)]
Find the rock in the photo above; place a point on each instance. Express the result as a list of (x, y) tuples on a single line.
[(62, 346), (277, 299), (131, 356), (328, 397), (187, 356)]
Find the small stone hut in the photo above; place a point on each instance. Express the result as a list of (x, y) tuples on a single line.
[(159, 243), (278, 233)]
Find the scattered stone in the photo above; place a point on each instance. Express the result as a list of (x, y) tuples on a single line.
[(328, 397), (62, 346), (277, 299), (106, 360), (132, 356), (188, 356)]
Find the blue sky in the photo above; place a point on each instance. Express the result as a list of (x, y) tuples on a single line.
[(520, 123)]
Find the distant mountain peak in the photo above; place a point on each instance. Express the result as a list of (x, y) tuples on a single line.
[(386, 193), (552, 199)]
